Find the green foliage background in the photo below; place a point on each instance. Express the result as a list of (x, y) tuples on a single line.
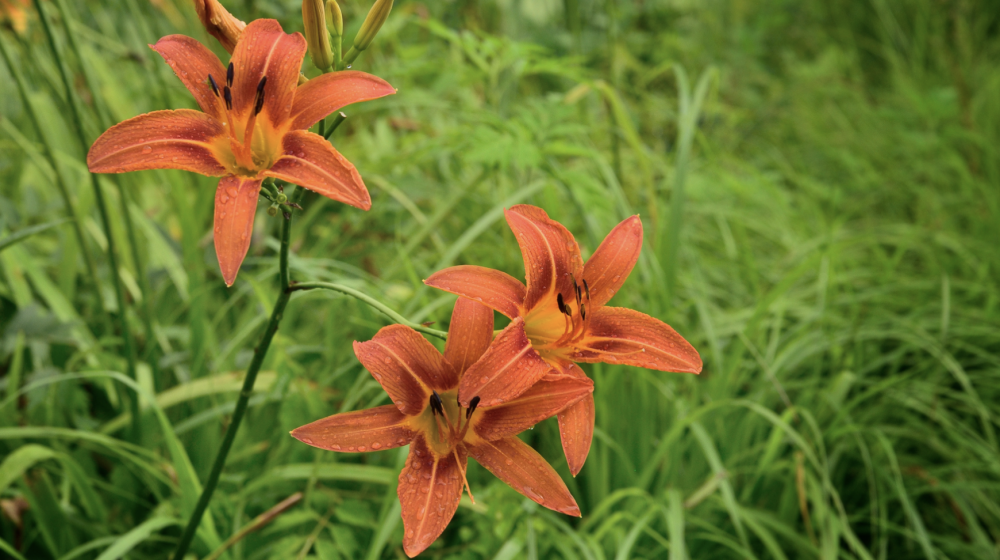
[(837, 267)]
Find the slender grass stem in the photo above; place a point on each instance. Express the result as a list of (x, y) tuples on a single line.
[(260, 352), (60, 181), (381, 307), (337, 121), (103, 119), (102, 207)]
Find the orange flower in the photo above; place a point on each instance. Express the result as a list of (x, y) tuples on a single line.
[(253, 127), (423, 384), (560, 318), (15, 11), (220, 23)]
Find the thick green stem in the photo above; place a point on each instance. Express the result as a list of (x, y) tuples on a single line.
[(102, 207), (260, 352), (385, 310), (61, 183)]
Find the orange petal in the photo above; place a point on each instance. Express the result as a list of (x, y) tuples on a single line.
[(429, 490), (524, 470), (327, 93), (576, 429), (609, 266), (551, 255), (193, 63), (180, 139), (310, 161), (407, 366), (541, 401), (492, 288), (235, 207), (266, 50), (219, 23), (382, 427), (469, 335), (508, 368), (616, 335)]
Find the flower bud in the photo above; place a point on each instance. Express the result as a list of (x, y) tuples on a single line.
[(272, 211), (373, 22), (334, 19), (219, 23), (317, 37)]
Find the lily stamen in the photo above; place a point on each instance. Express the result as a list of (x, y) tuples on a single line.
[(230, 73)]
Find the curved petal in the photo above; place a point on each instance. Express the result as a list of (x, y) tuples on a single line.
[(524, 470), (616, 335), (329, 92), (492, 288), (609, 266), (265, 49), (193, 63), (181, 139), (429, 490), (576, 429), (235, 207), (310, 161), (541, 401), (407, 366), (509, 367), (469, 335), (382, 427), (551, 255)]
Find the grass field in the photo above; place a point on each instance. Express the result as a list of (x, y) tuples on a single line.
[(819, 184)]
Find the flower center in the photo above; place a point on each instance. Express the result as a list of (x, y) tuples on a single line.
[(250, 149), (553, 327), (449, 434)]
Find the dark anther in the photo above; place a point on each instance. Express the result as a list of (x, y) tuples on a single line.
[(472, 407), (583, 312), (229, 74), (562, 305), (258, 103), (215, 87), (586, 288), (436, 405), (576, 288), (227, 94)]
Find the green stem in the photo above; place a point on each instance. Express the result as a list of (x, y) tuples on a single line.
[(260, 352), (103, 120), (385, 310), (102, 207), (61, 183), (337, 121)]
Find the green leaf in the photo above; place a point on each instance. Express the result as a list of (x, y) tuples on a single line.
[(27, 232)]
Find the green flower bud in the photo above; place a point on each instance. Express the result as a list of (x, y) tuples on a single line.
[(373, 22), (317, 37), (272, 211), (334, 19)]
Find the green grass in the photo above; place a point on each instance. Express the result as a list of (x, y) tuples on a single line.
[(837, 266)]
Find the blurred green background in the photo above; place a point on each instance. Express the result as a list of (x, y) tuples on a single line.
[(820, 188)]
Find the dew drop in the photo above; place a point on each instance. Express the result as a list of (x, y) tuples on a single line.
[(376, 445), (335, 447), (147, 150), (616, 278), (484, 379), (510, 462), (387, 360), (362, 448), (532, 494)]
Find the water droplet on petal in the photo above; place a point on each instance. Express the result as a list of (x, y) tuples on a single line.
[(484, 379), (147, 149), (376, 445)]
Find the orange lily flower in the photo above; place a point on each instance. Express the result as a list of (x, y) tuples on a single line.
[(423, 384), (560, 318), (252, 126), (15, 11)]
